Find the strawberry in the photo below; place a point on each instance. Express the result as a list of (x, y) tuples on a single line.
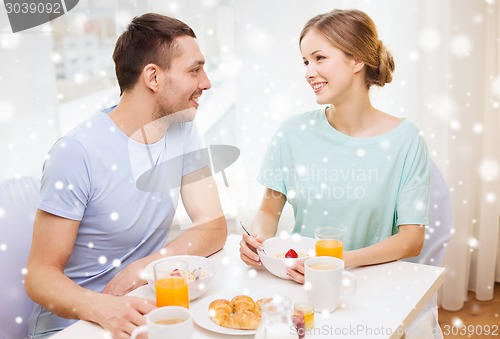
[(291, 254), (176, 273)]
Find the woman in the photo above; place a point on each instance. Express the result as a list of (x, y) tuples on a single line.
[(348, 165)]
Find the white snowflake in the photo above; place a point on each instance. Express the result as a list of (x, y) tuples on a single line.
[(102, 260), (491, 197), (59, 185), (477, 128), (457, 322), (413, 55), (473, 242), (461, 46), (226, 260), (455, 125), (429, 39), (444, 108), (495, 86), (488, 169), (10, 41), (7, 111)]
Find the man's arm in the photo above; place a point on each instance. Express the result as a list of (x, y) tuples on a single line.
[(209, 231), (206, 236), (53, 242)]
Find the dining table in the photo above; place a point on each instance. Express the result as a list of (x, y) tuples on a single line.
[(388, 297)]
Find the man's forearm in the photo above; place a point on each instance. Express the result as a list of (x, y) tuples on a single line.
[(50, 288), (202, 240)]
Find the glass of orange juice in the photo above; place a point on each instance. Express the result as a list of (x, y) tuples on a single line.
[(171, 283), (329, 242)]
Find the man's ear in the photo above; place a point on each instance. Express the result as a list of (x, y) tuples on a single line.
[(150, 74), (358, 64)]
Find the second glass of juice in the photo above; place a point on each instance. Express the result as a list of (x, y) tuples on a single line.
[(171, 283), (329, 242)]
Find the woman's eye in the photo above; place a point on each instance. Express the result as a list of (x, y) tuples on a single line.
[(319, 57), (306, 63)]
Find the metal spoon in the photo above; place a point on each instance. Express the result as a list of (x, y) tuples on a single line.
[(244, 229), (197, 273)]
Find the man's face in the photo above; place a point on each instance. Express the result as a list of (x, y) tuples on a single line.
[(183, 83)]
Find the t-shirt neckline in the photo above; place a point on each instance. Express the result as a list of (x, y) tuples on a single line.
[(361, 141)]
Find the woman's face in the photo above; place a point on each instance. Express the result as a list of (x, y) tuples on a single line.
[(329, 71)]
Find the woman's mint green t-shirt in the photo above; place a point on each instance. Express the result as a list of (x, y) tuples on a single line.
[(367, 186)]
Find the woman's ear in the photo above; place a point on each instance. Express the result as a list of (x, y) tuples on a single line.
[(358, 64), (149, 75)]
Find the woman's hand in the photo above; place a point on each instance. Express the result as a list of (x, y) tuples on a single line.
[(248, 250), (296, 272)]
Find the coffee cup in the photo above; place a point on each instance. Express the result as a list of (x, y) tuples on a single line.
[(326, 282), (167, 322)]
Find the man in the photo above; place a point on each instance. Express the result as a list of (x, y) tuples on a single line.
[(102, 217)]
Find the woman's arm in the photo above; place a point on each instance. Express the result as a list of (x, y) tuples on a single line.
[(406, 243), (264, 226)]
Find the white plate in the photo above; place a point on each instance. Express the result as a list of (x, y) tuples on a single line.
[(196, 287), (201, 317)]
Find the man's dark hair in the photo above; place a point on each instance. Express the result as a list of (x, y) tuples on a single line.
[(149, 38)]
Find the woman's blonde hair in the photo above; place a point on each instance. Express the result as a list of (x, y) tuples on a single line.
[(354, 33)]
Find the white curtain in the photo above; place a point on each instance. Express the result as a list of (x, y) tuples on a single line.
[(468, 145)]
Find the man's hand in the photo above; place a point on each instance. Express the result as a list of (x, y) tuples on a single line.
[(121, 315), (128, 279)]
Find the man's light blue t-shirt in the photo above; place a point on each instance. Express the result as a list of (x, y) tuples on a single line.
[(367, 186), (91, 175)]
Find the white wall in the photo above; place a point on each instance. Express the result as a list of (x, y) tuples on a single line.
[(28, 99)]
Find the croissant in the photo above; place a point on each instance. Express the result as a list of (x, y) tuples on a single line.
[(239, 313)]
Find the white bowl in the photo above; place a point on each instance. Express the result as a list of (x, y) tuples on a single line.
[(196, 287), (282, 244)]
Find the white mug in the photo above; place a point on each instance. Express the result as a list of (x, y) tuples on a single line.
[(183, 328), (326, 282)]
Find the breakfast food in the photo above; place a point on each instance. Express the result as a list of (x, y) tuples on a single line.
[(239, 313), (291, 253)]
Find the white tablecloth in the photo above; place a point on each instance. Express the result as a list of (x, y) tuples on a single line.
[(388, 297)]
